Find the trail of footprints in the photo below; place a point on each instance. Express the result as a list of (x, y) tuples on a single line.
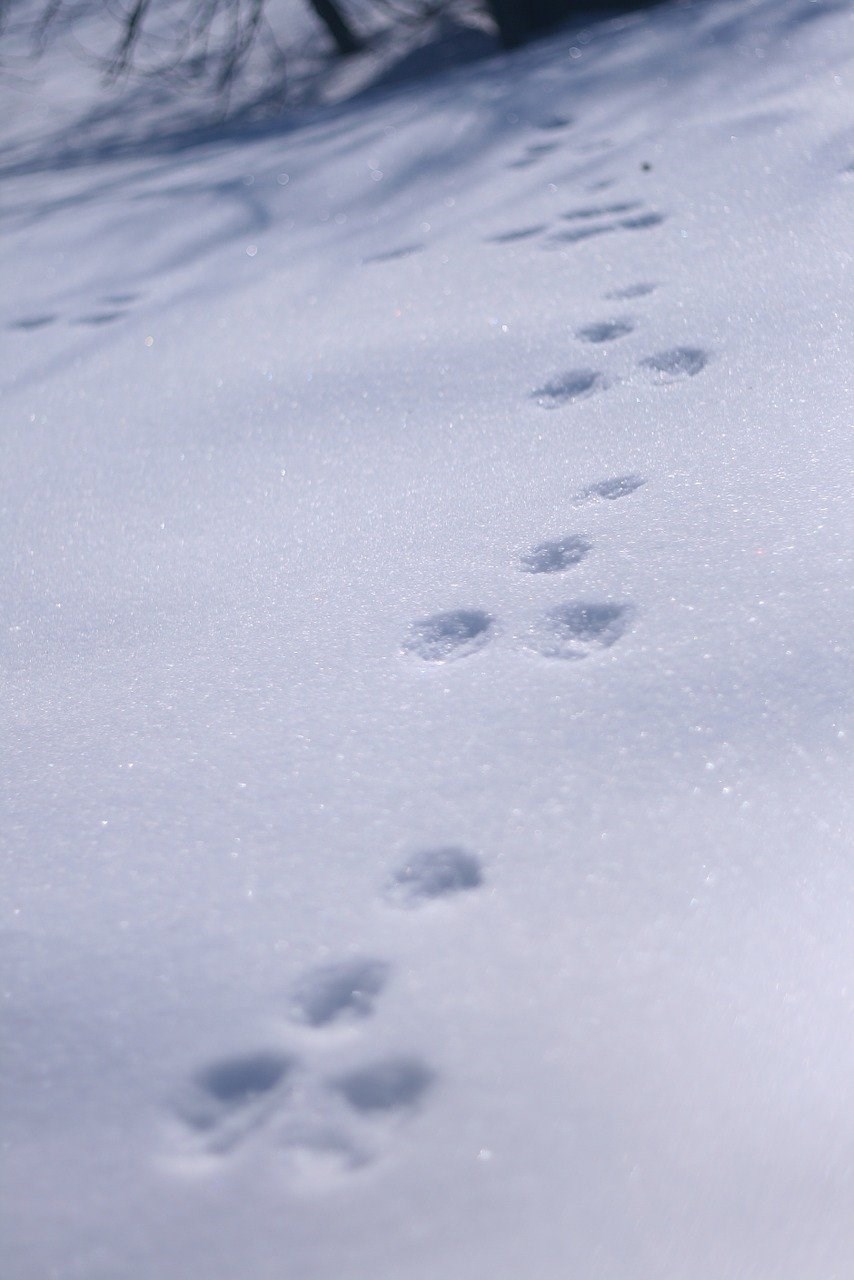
[(319, 1112), (574, 629), (322, 1112), (584, 222), (322, 1120)]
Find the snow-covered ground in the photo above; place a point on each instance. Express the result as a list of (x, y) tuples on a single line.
[(428, 690)]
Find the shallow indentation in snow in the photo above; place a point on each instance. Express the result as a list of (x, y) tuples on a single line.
[(445, 637), (236, 1081), (228, 1098), (392, 255), (600, 210), (612, 489), (578, 629), (554, 557), (389, 1085), (585, 232), (435, 873), (605, 330), (678, 362), (642, 221), (555, 122), (523, 233), (534, 152), (99, 317), (334, 991), (27, 323), (640, 290), (576, 384)]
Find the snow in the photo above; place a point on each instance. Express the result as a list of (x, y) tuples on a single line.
[(428, 772)]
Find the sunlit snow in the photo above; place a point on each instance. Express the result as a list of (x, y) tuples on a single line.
[(428, 602)]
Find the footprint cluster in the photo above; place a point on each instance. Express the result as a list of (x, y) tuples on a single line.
[(570, 630), (584, 222), (321, 1112), (659, 369), (573, 226), (673, 364)]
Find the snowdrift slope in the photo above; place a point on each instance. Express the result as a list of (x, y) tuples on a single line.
[(428, 615)]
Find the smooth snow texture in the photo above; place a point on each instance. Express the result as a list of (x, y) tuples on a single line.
[(428, 684)]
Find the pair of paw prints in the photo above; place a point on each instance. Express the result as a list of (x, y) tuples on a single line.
[(661, 368), (321, 1115), (109, 308), (573, 630), (585, 223), (318, 1124), (536, 151), (570, 631)]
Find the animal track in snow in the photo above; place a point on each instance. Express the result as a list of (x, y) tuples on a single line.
[(631, 291), (611, 490), (445, 637), (677, 363), (600, 210), (522, 233), (534, 152), (392, 255), (333, 992), (116, 302), (99, 317), (392, 1084), (605, 330), (229, 1098), (555, 122), (434, 873), (29, 323), (555, 557), (576, 384), (579, 629), (642, 221), (575, 234), (587, 229)]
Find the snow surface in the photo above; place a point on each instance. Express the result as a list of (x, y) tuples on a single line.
[(428, 695)]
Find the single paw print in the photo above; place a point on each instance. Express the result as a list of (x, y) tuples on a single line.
[(556, 556), (567, 388), (228, 1099), (675, 364), (578, 629), (346, 990), (430, 874), (446, 637)]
